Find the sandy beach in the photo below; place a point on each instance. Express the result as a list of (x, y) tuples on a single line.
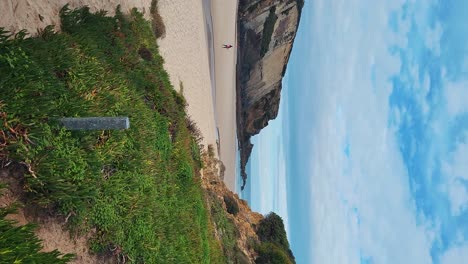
[(224, 14), (186, 55), (37, 14), (192, 50)]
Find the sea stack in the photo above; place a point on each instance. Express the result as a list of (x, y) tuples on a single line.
[(266, 32)]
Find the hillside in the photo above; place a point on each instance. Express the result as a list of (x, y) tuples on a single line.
[(245, 236), (135, 191), (107, 196)]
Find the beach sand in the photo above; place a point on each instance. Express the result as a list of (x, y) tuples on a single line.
[(224, 15), (37, 14), (185, 51), (195, 32), (192, 50)]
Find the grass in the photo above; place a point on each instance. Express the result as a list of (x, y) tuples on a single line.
[(138, 188), (18, 244), (227, 230), (157, 23)]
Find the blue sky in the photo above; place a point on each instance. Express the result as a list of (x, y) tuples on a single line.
[(368, 160)]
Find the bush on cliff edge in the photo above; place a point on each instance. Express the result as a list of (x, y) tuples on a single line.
[(273, 239)]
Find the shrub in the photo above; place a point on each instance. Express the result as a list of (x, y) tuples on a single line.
[(231, 205), (226, 229), (271, 230), (145, 54), (159, 29), (194, 130), (211, 152), (269, 253), (240, 258)]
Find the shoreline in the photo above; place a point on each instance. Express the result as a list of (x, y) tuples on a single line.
[(208, 71), (209, 39), (225, 32), (186, 52), (195, 31)]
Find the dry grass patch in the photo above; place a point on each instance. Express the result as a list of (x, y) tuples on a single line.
[(157, 23)]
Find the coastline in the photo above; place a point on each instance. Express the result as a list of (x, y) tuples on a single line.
[(195, 31), (207, 71), (32, 15), (224, 16), (185, 50), (102, 66)]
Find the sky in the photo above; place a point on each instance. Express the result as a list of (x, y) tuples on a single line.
[(367, 161)]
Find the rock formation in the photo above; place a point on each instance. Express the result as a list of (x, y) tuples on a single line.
[(244, 220), (266, 32)]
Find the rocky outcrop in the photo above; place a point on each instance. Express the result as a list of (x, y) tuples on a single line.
[(266, 32), (245, 220)]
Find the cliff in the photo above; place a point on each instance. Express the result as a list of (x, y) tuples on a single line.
[(266, 32), (234, 228), (245, 236)]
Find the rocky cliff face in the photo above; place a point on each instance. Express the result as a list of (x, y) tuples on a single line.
[(266, 32), (244, 220)]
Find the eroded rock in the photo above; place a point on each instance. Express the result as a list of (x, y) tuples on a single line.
[(267, 29)]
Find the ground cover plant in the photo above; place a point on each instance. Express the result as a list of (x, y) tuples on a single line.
[(18, 244), (228, 232), (136, 190)]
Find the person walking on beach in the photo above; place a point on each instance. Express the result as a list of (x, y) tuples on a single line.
[(227, 46)]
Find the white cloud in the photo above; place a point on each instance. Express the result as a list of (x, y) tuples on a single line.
[(426, 84), (459, 166), (432, 38), (425, 88), (268, 178), (455, 170), (458, 197), (366, 208), (456, 94), (455, 255), (362, 205)]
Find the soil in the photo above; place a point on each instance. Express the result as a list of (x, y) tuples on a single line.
[(50, 229)]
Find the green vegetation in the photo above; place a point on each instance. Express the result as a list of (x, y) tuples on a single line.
[(269, 253), (227, 231), (231, 205), (138, 188), (274, 247), (268, 28), (18, 244), (159, 29)]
